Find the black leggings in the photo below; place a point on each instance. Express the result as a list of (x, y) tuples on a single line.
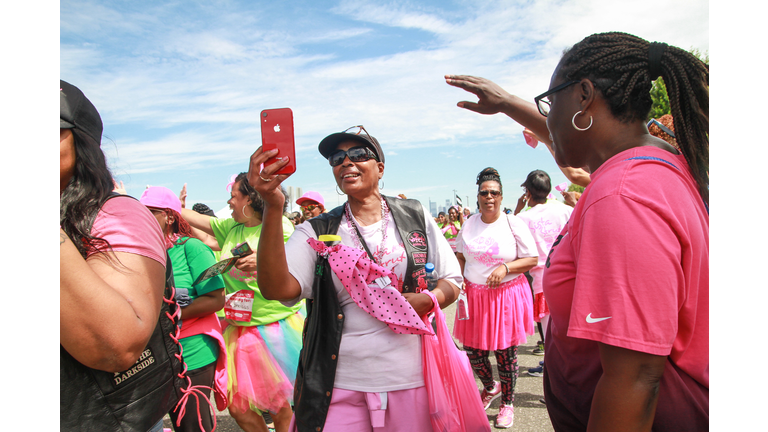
[(506, 363), (200, 376)]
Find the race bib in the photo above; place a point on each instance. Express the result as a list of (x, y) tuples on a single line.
[(238, 306)]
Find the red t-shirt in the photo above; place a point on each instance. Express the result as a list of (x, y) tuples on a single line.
[(631, 269)]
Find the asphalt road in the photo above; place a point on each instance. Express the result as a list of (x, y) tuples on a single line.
[(530, 413)]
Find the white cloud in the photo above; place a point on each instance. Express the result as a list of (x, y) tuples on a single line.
[(183, 90)]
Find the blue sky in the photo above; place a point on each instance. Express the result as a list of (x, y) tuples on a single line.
[(180, 85)]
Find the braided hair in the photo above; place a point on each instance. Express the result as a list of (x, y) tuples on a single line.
[(489, 174), (622, 67)]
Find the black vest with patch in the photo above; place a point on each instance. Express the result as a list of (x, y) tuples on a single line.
[(316, 371)]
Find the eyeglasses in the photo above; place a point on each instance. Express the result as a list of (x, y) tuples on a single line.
[(310, 207), (484, 193), (355, 154), (544, 105)]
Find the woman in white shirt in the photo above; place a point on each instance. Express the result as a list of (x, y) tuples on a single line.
[(494, 250)]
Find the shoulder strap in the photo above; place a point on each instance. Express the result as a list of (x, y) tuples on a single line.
[(409, 219), (327, 223)]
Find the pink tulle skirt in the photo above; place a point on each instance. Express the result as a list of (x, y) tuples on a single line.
[(498, 318), (261, 363)]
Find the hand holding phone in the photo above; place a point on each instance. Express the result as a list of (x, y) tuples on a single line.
[(277, 133)]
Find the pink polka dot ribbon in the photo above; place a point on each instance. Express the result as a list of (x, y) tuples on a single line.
[(372, 287)]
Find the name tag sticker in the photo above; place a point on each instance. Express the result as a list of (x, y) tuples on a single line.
[(239, 305)]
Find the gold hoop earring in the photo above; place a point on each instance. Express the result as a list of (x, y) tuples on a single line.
[(573, 122), (246, 216)]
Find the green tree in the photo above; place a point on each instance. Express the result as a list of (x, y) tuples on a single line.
[(575, 188), (659, 90)]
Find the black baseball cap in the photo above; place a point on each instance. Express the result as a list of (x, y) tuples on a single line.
[(76, 111), (329, 143)]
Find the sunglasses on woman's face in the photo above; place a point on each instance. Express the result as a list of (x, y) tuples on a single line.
[(355, 154), (484, 193), (310, 207)]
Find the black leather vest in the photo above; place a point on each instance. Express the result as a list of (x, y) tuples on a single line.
[(316, 371), (132, 400)]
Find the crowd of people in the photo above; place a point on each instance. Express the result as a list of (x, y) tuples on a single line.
[(314, 320)]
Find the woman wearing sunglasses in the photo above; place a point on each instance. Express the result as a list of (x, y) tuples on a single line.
[(627, 280), (370, 376), (494, 251), (312, 204)]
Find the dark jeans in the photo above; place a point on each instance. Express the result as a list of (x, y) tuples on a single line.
[(200, 376)]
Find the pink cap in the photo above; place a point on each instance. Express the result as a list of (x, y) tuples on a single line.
[(311, 196), (160, 197)]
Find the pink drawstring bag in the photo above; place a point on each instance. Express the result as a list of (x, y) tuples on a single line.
[(454, 400)]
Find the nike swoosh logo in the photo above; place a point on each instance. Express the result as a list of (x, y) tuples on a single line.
[(591, 320)]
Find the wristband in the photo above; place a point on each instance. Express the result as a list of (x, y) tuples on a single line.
[(506, 267)]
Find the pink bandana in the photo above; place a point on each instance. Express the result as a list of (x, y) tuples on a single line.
[(367, 284)]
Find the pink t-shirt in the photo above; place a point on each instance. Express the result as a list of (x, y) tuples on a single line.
[(631, 269), (129, 227), (545, 221)]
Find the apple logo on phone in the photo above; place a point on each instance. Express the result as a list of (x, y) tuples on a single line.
[(277, 128)]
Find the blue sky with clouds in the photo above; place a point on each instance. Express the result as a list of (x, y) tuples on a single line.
[(180, 85)]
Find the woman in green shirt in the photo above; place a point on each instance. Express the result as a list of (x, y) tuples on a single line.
[(263, 337), (190, 257)]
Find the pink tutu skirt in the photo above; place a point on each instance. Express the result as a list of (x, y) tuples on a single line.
[(262, 362), (498, 318)]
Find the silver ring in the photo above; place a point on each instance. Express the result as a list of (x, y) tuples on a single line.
[(266, 180)]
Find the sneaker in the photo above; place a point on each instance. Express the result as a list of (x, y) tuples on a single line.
[(539, 350), (506, 417), (537, 371), (541, 363), (489, 396)]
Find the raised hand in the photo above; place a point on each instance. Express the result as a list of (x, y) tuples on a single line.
[(183, 196), (492, 99), (119, 189), (264, 180)]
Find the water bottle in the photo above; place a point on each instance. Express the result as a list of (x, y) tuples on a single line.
[(462, 311), (431, 276)]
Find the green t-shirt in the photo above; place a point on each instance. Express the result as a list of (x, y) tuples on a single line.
[(189, 259), (448, 233), (229, 234)]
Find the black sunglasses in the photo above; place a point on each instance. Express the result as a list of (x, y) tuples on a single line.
[(485, 193), (542, 104), (355, 154)]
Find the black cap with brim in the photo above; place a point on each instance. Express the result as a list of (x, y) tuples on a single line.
[(332, 141), (76, 111)]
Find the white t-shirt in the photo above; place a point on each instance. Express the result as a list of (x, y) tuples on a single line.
[(545, 221), (372, 358), (487, 246)]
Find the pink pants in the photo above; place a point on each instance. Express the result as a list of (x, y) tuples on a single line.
[(395, 411)]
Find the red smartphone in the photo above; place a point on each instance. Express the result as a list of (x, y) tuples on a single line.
[(277, 133)]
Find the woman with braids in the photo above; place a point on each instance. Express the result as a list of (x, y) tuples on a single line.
[(201, 338), (494, 251), (112, 277), (263, 337), (627, 280)]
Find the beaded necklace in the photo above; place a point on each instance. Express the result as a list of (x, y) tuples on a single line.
[(356, 236)]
